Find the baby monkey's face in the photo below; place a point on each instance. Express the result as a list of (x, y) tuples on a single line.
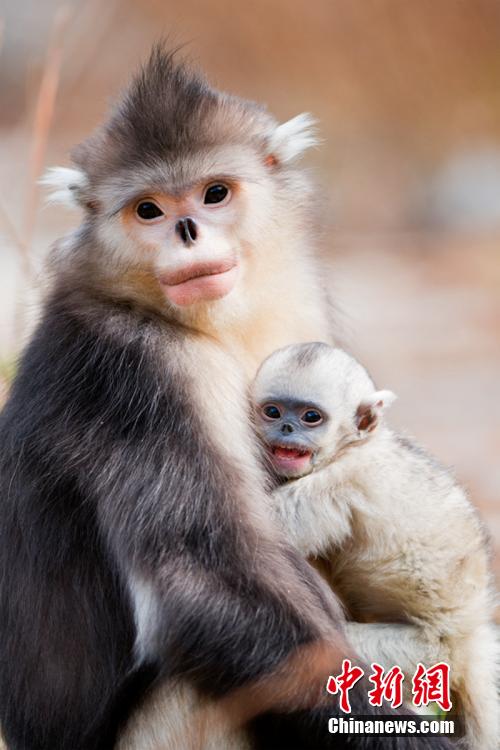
[(312, 403), (294, 432)]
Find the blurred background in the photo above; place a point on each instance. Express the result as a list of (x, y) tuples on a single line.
[(408, 99)]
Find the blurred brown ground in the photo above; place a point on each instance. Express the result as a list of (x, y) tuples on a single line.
[(408, 98)]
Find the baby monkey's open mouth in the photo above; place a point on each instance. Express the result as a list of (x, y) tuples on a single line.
[(282, 452), (290, 461)]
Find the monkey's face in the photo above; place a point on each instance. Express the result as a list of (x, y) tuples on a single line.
[(312, 403), (196, 226), (300, 412), (293, 432), (192, 197), (189, 239)]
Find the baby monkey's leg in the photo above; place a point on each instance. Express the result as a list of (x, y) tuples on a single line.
[(473, 661)]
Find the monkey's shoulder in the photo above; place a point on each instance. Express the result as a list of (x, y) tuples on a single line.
[(403, 484), (90, 366), (400, 460)]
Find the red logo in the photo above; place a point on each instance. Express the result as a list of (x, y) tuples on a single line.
[(432, 684), (428, 685), (388, 686), (344, 682)]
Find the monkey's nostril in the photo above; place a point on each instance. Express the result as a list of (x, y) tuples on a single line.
[(191, 228), (287, 428), (186, 229)]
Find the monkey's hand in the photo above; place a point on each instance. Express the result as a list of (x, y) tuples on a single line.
[(313, 520)]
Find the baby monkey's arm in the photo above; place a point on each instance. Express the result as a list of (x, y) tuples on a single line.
[(309, 514), (396, 644)]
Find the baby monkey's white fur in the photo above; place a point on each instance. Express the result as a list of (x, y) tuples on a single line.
[(401, 541)]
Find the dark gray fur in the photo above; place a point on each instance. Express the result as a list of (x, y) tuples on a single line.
[(167, 114), (308, 353)]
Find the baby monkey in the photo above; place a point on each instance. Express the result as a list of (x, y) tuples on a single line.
[(398, 538)]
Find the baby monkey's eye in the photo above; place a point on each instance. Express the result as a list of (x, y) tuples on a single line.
[(311, 417), (270, 411), (148, 210), (216, 193)]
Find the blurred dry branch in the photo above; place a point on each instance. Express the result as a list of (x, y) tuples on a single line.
[(5, 221), (43, 117), (44, 112), (11, 230), (4, 217)]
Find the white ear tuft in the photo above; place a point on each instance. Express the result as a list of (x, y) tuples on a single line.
[(293, 137), (65, 185), (383, 399)]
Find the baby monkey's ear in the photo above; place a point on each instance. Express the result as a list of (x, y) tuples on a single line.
[(289, 140), (370, 410)]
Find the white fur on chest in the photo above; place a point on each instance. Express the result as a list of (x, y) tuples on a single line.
[(146, 616)]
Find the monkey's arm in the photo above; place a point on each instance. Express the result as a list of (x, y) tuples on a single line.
[(313, 520), (399, 644)]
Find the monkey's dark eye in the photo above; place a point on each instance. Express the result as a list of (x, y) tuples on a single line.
[(215, 194), (271, 411), (148, 210), (312, 417)]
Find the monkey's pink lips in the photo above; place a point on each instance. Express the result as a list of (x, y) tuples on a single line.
[(200, 282), (288, 461)]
